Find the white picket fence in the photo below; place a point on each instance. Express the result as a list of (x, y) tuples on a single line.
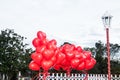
[(76, 76)]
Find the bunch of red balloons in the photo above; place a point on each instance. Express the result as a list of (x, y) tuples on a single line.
[(72, 57), (68, 56)]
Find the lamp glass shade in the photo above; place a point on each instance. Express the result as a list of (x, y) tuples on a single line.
[(106, 18)]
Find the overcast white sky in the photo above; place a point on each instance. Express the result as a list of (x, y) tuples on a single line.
[(71, 20)]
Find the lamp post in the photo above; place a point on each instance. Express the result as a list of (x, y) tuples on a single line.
[(106, 21)]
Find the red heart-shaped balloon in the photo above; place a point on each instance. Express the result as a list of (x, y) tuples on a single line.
[(83, 58), (37, 58), (34, 66), (89, 63), (74, 63), (87, 54), (46, 64), (70, 55), (36, 42), (77, 54), (93, 61), (79, 49), (41, 35), (81, 66), (41, 49), (67, 48), (48, 54), (44, 41), (57, 67), (60, 57), (33, 55), (53, 59), (51, 46), (65, 62), (53, 41)]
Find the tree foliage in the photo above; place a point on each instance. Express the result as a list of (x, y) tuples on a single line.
[(14, 55), (99, 52)]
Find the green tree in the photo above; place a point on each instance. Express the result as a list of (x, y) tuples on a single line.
[(99, 52), (114, 49), (14, 55)]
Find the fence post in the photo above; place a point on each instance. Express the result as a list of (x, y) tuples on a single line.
[(19, 75)]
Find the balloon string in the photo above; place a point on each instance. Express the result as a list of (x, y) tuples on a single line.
[(68, 72), (86, 75), (36, 76), (45, 74)]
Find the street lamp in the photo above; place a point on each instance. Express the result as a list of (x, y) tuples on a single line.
[(106, 21)]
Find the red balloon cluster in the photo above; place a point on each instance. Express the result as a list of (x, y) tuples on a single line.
[(47, 55), (44, 56), (70, 56)]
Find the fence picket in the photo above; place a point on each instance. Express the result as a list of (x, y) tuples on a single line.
[(76, 76)]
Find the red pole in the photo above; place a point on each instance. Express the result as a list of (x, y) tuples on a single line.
[(108, 53)]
